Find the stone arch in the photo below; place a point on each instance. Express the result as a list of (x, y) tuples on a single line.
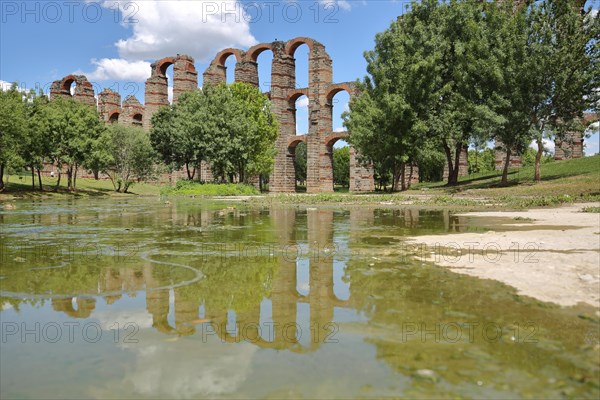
[(161, 66), (294, 141), (114, 117), (332, 90), (216, 72), (331, 139), (224, 55), (84, 91), (137, 119), (292, 45), (294, 95), (254, 51)]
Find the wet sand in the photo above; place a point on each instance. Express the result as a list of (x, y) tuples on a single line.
[(559, 265)]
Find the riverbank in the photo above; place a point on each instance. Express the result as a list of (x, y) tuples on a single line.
[(550, 254)]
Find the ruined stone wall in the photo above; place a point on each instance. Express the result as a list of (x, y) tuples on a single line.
[(500, 157), (109, 105), (463, 164), (571, 146), (132, 112), (83, 91)]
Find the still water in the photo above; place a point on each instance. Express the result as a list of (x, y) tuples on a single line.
[(138, 298)]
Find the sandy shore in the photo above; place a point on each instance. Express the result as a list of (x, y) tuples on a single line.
[(555, 258)]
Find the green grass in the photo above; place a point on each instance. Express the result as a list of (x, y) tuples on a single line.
[(189, 188), (591, 210), (562, 182), (20, 186)]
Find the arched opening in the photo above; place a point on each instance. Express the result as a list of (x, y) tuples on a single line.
[(297, 150), (301, 54), (137, 120), (69, 86), (229, 64), (301, 115), (262, 55), (114, 118), (168, 72), (340, 104), (339, 151)]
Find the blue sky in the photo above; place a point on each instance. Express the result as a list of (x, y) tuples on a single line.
[(113, 42)]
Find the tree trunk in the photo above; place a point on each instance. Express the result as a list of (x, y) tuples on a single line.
[(410, 176), (70, 178), (39, 174), (395, 177), (1, 177), (453, 169), (97, 175), (75, 177), (58, 181), (504, 180), (190, 174), (403, 177), (32, 177), (538, 161)]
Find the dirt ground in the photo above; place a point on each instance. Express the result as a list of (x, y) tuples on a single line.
[(554, 258)]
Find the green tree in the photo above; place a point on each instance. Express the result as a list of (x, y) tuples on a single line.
[(12, 130), (71, 128), (482, 160), (300, 163), (431, 78), (127, 155), (341, 166), (565, 56), (36, 144), (176, 134), (230, 126)]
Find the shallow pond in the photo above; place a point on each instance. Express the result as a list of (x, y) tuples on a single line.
[(110, 298)]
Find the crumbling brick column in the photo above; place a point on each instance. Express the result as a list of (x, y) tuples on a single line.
[(132, 112), (247, 72), (185, 77), (283, 81), (571, 146), (109, 105), (463, 164), (361, 176), (500, 154)]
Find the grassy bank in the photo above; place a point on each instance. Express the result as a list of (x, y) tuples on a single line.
[(189, 188), (19, 186), (562, 182)]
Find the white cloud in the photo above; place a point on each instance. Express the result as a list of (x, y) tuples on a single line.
[(342, 4), (118, 69), (302, 102), (165, 28), (170, 93), (109, 318), (339, 129), (548, 145)]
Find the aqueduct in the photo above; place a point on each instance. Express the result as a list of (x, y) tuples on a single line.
[(283, 95)]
